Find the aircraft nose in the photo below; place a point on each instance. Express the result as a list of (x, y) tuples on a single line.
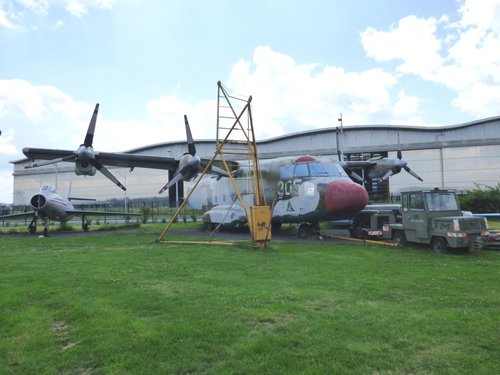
[(343, 199)]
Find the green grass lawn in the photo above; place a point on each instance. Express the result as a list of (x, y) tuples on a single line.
[(121, 304)]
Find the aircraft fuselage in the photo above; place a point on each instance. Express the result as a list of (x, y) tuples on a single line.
[(303, 189), (50, 205)]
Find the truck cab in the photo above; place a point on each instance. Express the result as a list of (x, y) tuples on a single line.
[(434, 217)]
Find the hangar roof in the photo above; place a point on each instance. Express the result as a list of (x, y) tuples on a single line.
[(357, 138)]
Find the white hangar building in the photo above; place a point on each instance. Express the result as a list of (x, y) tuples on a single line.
[(457, 157)]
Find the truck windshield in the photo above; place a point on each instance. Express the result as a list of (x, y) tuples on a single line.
[(441, 201)]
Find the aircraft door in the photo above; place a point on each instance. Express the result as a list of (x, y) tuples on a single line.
[(308, 197)]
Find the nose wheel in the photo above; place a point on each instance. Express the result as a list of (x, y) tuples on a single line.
[(308, 230)]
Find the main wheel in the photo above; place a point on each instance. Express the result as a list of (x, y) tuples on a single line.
[(399, 238), (439, 245), (304, 231), (276, 225)]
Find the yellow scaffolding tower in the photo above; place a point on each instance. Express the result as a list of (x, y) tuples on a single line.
[(235, 140)]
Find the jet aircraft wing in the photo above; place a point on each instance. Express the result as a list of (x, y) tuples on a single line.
[(99, 213), (18, 216)]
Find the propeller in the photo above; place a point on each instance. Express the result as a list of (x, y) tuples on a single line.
[(398, 165), (189, 163), (85, 154)]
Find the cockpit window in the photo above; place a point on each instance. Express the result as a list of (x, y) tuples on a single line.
[(333, 170), (314, 169), (317, 169), (48, 188), (301, 170)]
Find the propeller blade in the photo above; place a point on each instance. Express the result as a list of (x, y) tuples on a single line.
[(48, 162), (177, 177), (407, 169), (387, 175), (219, 171), (189, 137), (356, 177), (400, 155), (89, 138), (101, 168)]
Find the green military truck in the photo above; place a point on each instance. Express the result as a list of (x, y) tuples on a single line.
[(434, 217)]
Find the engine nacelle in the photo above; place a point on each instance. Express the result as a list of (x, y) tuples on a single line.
[(38, 201), (189, 166), (84, 168)]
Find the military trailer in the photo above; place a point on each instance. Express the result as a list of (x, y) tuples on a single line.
[(371, 222), (434, 217)]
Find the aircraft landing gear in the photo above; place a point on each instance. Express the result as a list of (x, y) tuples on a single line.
[(32, 228), (45, 227), (308, 230), (32, 225), (85, 224)]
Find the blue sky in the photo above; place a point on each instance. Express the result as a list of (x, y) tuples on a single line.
[(149, 62)]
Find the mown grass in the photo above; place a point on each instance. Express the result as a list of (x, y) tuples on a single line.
[(122, 304)]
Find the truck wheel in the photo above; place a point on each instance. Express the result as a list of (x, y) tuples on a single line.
[(399, 238), (439, 245)]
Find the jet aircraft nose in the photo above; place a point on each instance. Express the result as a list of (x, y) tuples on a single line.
[(343, 199)]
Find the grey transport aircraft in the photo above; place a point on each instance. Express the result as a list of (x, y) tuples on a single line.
[(48, 205), (300, 189), (304, 190)]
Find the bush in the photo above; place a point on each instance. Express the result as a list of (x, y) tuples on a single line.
[(145, 212), (484, 199)]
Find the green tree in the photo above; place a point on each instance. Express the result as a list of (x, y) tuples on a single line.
[(482, 199)]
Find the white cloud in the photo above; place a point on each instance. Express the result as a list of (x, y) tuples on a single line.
[(304, 96), (21, 14), (6, 15), (38, 6), (7, 148), (413, 41), (405, 104), (480, 99), (465, 59), (482, 14)]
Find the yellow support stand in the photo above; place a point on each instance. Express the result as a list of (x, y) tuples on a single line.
[(235, 139)]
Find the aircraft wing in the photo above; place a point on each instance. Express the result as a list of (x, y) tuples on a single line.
[(357, 164), (99, 213), (141, 161), (18, 216), (46, 153), (487, 215), (106, 158)]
